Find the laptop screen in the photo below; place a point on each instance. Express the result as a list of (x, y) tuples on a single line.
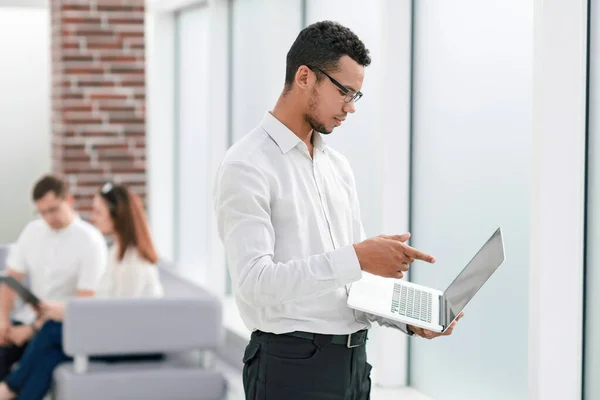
[(474, 275)]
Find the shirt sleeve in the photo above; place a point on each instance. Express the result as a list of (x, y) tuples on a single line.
[(16, 259), (242, 207), (93, 264)]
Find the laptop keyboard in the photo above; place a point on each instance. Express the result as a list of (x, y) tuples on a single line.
[(411, 302)]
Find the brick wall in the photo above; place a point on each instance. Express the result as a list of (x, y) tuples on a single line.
[(98, 94)]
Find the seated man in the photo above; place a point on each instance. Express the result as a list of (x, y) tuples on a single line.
[(60, 254)]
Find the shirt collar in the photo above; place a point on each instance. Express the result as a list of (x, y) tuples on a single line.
[(284, 137)]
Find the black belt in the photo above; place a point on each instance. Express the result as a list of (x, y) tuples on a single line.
[(352, 340)]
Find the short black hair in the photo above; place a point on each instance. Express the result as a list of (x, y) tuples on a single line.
[(50, 183), (321, 45)]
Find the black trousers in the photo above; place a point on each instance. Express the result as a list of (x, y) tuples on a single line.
[(9, 355), (283, 367)]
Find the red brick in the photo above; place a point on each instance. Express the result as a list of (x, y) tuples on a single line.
[(70, 45), (127, 70), (75, 155), (111, 96), (82, 120), (79, 57), (118, 168), (129, 83), (96, 84), (83, 71), (119, 58), (81, 20), (116, 107), (61, 84), (121, 20), (94, 33), (82, 107), (105, 45), (98, 134), (126, 120), (116, 7), (69, 96), (72, 147), (111, 147), (76, 7), (131, 34)]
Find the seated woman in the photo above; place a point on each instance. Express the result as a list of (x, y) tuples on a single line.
[(131, 272)]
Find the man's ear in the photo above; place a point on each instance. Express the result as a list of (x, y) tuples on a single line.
[(303, 77), (70, 199)]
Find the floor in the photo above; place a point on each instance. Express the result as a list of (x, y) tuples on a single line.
[(376, 394)]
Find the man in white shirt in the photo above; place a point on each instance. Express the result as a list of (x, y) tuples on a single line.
[(288, 216), (60, 254)]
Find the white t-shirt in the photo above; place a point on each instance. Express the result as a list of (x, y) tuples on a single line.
[(133, 276), (58, 263)]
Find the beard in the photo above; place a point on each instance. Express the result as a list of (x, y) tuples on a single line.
[(311, 119)]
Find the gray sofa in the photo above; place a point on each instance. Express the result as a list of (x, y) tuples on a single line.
[(185, 325)]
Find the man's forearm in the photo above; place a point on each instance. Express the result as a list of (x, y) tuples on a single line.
[(7, 297), (7, 302)]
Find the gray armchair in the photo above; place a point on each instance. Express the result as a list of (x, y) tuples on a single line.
[(185, 325)]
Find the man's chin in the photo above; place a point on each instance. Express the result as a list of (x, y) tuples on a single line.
[(326, 132)]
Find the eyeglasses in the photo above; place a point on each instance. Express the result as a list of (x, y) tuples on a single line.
[(349, 95)]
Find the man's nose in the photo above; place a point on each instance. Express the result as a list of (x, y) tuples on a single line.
[(349, 107)]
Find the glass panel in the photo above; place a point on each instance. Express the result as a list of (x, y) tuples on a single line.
[(591, 388), (194, 184), (471, 174)]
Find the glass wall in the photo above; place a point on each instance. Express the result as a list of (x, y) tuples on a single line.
[(262, 32), (472, 124), (193, 183), (591, 387), (360, 138)]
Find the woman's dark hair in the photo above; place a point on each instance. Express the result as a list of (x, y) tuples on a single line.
[(129, 218), (321, 45)]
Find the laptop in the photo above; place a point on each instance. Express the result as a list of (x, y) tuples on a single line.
[(21, 290), (423, 306)]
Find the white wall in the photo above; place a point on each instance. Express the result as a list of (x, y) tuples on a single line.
[(25, 112)]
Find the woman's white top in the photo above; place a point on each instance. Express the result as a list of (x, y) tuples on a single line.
[(133, 276)]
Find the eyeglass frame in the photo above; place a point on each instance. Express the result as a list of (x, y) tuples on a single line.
[(347, 92)]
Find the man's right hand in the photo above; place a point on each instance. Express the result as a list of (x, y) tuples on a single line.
[(388, 256)]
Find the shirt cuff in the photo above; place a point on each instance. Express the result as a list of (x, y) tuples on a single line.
[(345, 265)]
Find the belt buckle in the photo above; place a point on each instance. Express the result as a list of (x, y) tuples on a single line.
[(349, 342)]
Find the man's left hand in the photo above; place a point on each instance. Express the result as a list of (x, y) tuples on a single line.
[(427, 334), (20, 334), (54, 310)]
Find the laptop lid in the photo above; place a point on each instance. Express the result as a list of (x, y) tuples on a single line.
[(21, 290), (481, 267)]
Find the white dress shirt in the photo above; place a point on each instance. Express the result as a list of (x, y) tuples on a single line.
[(58, 262), (288, 223), (133, 276)]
